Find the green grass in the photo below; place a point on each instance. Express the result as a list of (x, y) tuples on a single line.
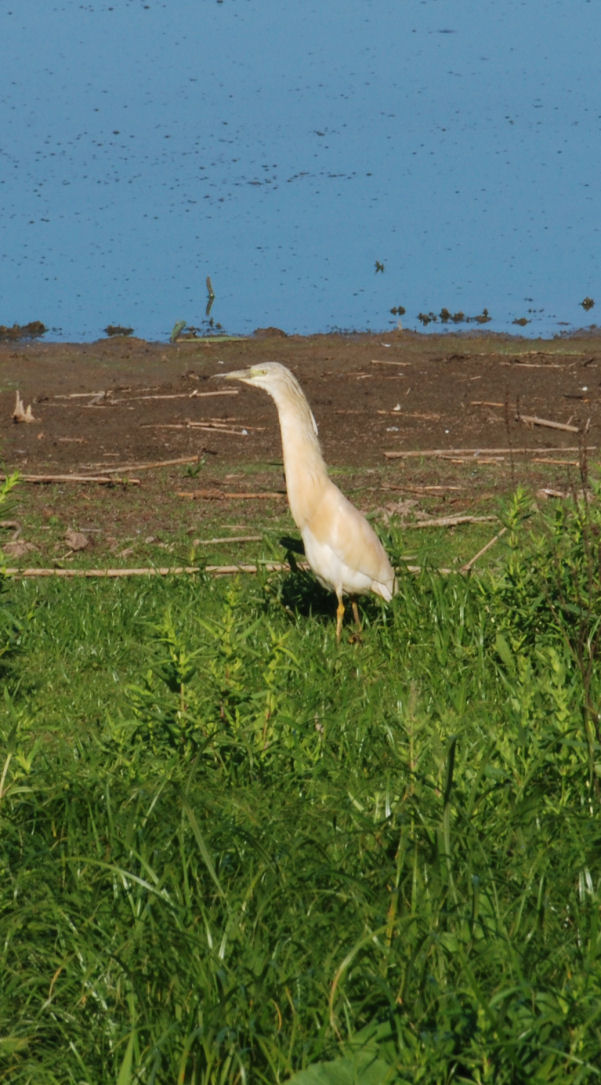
[(233, 851)]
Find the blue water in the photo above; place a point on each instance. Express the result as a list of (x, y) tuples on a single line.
[(286, 150)]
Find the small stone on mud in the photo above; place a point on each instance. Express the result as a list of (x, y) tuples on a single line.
[(18, 548), (76, 540)]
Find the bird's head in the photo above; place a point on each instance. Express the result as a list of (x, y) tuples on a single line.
[(268, 375), (281, 385)]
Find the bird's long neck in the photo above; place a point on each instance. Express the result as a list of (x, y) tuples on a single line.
[(304, 465)]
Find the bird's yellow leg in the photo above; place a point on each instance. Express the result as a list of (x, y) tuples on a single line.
[(356, 614), (339, 617)]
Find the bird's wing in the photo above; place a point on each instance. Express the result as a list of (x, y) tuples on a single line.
[(336, 524)]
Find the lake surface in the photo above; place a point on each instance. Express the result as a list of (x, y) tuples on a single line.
[(323, 163)]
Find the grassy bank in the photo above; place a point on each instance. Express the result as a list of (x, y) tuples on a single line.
[(234, 851)]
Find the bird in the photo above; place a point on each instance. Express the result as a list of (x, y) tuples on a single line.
[(341, 547)]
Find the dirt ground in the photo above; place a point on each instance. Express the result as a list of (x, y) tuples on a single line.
[(473, 416)]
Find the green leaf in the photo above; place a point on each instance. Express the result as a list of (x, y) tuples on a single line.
[(125, 1072), (504, 652), (360, 1069)]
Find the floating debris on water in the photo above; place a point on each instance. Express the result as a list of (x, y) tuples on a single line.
[(33, 330), (118, 329), (445, 317)]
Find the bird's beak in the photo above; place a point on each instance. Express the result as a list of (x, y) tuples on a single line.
[(234, 375)]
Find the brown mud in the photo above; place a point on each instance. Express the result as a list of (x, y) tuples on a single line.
[(473, 416)]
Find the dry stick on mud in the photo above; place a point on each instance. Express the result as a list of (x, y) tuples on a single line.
[(174, 395), (529, 419), (386, 361), (221, 495), (534, 420), (556, 463), (144, 466), (107, 399), (102, 480), (478, 452), (535, 365), (206, 427)]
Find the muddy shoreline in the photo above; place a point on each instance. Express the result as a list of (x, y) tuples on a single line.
[(462, 417)]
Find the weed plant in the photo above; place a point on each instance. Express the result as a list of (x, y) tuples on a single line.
[(9, 623), (233, 851)]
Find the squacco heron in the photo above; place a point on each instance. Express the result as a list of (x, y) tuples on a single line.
[(341, 547)]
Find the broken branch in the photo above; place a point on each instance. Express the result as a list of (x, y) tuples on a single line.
[(491, 542), (534, 420)]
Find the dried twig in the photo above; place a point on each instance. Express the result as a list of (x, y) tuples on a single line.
[(482, 460), (181, 570), (194, 394), (210, 428), (102, 480), (556, 463), (219, 424), (548, 491), (170, 570), (451, 521), (221, 495), (225, 539), (107, 398), (478, 452), (491, 542), (435, 490), (68, 573), (397, 412), (386, 361), (536, 365), (145, 466), (534, 420), (79, 395)]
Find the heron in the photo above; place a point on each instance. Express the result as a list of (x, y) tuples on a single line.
[(341, 547)]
